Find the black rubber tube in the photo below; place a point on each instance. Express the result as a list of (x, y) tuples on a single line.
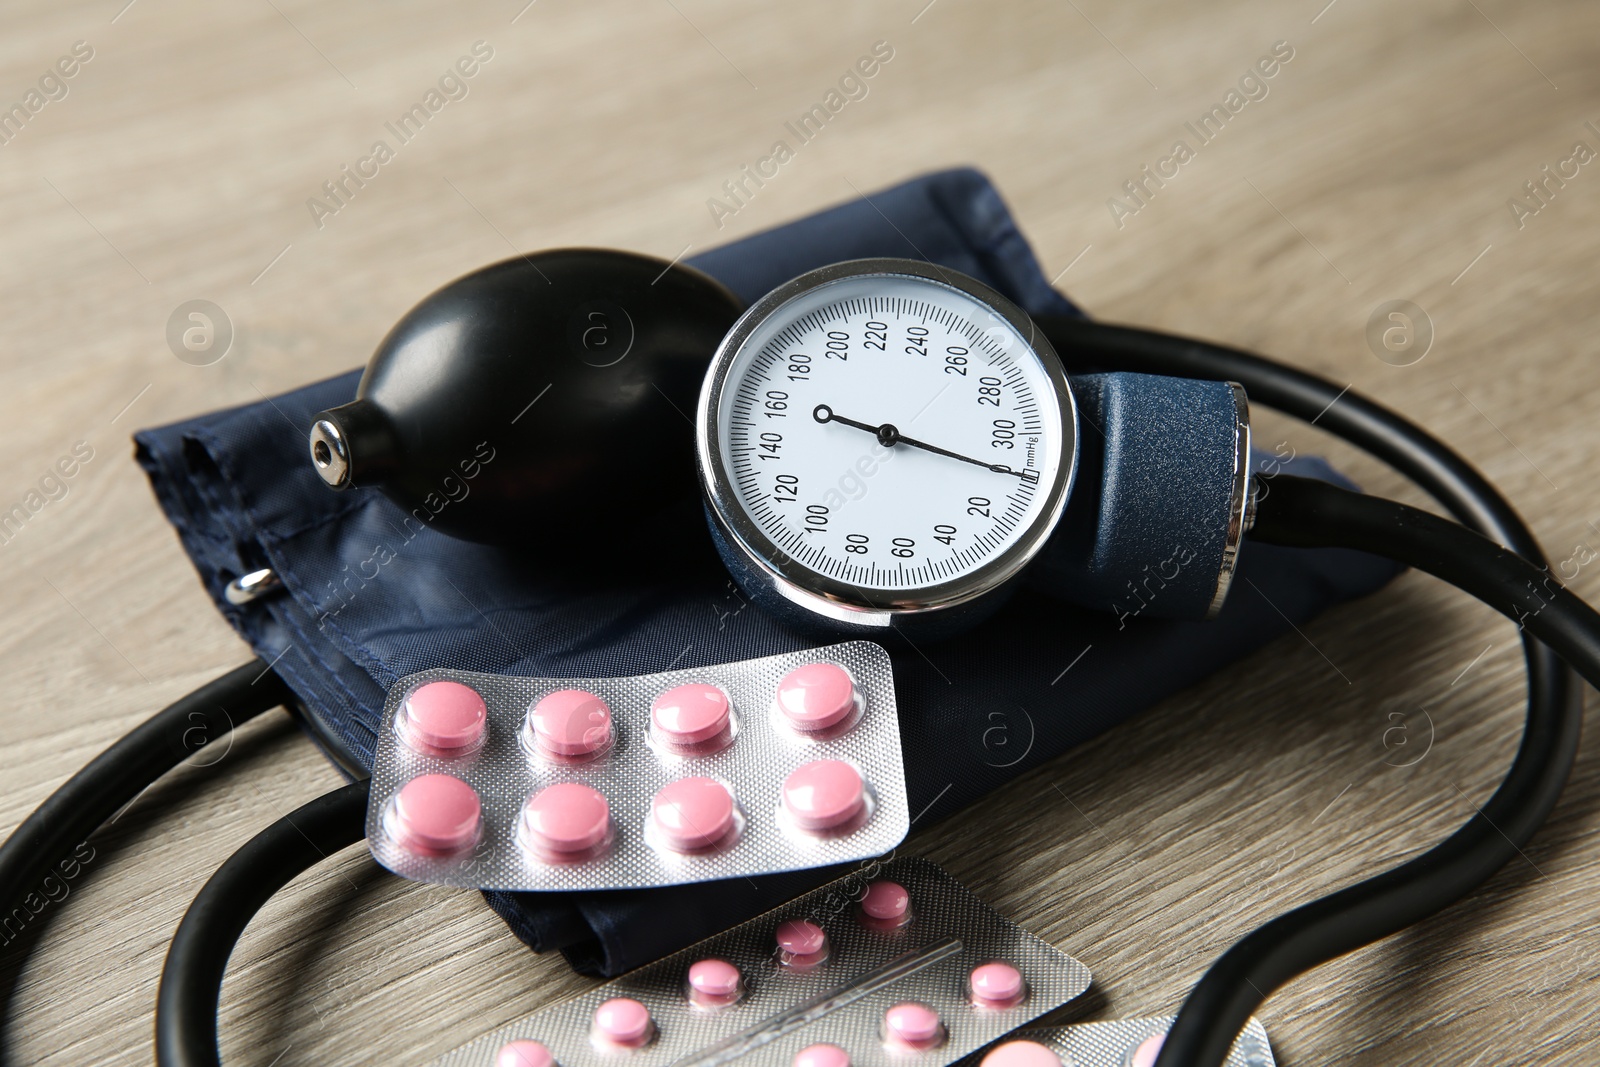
[(1205, 1028), (1435, 467), (191, 978), (1308, 513), (1313, 514), (46, 838)]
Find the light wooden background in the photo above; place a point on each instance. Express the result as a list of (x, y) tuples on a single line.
[(1378, 167)]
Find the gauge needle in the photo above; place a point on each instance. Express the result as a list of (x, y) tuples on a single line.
[(888, 436)]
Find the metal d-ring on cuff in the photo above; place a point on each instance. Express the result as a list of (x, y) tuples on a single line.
[(251, 587)]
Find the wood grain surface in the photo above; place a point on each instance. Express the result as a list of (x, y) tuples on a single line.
[(1379, 163)]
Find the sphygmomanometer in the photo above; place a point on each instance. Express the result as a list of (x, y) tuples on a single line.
[(880, 447)]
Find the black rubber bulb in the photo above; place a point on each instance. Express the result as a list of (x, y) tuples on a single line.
[(544, 402)]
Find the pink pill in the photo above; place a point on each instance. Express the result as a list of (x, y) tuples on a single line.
[(624, 1022), (571, 722), (445, 717), (567, 817), (822, 1056), (1021, 1054), (689, 714), (801, 937), (996, 985), (437, 813), (524, 1054), (913, 1025), (886, 902), (693, 812), (714, 983), (1145, 1055), (816, 696), (823, 794)]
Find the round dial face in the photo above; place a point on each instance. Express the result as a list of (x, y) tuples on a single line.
[(891, 434)]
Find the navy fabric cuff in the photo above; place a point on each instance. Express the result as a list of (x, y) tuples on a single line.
[(371, 595)]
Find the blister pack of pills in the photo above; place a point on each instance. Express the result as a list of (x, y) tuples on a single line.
[(762, 765), (895, 964), (1115, 1043)]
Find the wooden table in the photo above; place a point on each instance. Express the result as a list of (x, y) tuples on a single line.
[(1378, 163)]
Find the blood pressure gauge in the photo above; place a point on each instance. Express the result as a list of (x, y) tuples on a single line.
[(883, 440)]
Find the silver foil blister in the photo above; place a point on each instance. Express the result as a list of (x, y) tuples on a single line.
[(762, 752), (840, 1002), (1112, 1043)]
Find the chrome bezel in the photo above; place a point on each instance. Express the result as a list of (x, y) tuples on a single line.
[(1241, 504), (819, 593)]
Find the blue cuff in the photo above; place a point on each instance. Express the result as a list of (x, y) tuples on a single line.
[(369, 597)]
